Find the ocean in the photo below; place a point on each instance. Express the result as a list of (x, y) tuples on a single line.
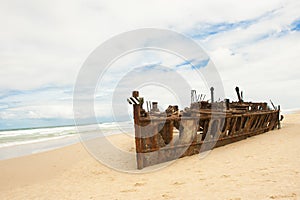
[(21, 142)]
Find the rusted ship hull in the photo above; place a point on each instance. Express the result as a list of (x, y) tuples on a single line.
[(165, 136)]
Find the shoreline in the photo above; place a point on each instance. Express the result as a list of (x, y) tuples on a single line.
[(21, 142), (30, 148), (44, 145), (27, 149)]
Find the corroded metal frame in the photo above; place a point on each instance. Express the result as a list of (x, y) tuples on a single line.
[(157, 142)]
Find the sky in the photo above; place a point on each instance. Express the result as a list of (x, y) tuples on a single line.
[(253, 44)]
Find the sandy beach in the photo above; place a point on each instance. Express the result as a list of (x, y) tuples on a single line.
[(266, 166)]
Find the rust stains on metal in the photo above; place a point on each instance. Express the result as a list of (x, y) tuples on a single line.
[(168, 135)]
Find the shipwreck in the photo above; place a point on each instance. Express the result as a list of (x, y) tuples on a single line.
[(162, 136)]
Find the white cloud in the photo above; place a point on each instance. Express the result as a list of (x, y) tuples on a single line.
[(44, 111), (260, 66)]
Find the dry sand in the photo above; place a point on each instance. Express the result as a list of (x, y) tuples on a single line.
[(266, 166)]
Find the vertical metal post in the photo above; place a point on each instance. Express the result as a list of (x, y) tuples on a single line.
[(193, 96), (237, 89), (279, 125), (212, 94), (137, 128), (226, 103)]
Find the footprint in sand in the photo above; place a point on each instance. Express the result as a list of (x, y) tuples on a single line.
[(284, 196), (262, 169), (265, 174), (166, 196), (98, 172), (139, 184), (273, 181), (178, 183), (225, 176), (129, 190)]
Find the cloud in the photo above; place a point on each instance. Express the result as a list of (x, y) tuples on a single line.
[(37, 104)]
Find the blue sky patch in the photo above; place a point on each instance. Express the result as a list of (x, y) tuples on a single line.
[(204, 30), (296, 25), (194, 63)]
